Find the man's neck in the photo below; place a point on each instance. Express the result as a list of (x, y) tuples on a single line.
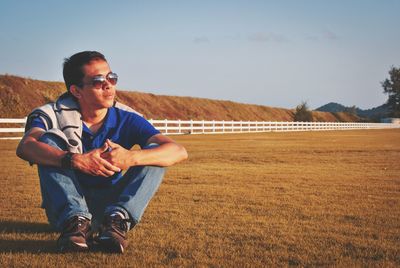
[(94, 118)]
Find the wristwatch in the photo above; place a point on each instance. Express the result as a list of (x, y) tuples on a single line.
[(66, 161)]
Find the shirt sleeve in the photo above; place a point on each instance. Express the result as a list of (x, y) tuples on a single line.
[(38, 122), (142, 130)]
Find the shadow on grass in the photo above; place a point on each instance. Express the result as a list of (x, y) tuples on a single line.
[(24, 227), (26, 245)]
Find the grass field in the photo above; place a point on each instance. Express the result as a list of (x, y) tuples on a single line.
[(242, 200)]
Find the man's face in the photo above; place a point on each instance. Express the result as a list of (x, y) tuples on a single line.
[(90, 96)]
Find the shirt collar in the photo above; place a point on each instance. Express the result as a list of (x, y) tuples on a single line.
[(110, 121), (111, 118)]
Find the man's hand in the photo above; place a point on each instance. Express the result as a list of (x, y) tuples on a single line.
[(92, 163), (166, 154), (118, 155)]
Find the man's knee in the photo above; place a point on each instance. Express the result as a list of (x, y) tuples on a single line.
[(53, 140), (145, 171), (155, 170)]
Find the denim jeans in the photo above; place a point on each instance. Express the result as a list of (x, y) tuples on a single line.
[(63, 196)]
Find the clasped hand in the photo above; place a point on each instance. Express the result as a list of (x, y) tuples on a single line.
[(104, 161)]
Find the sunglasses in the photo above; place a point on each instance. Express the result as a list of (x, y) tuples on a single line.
[(99, 80)]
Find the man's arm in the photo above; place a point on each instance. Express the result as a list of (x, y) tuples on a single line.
[(37, 152), (34, 151), (166, 154)]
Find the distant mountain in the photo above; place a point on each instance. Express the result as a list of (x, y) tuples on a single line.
[(373, 113), (332, 107)]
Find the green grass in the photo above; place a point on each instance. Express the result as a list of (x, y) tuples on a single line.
[(243, 200)]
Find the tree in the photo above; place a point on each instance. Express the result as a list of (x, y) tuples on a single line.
[(391, 87), (303, 113), (351, 110)]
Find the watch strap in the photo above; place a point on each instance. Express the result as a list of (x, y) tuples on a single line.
[(66, 161)]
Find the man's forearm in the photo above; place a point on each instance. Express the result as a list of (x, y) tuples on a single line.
[(40, 153), (164, 155)]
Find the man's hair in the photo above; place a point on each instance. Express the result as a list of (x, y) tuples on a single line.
[(72, 67)]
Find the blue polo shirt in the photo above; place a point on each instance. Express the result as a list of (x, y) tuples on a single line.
[(122, 127)]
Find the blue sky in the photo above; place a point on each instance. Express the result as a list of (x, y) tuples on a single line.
[(273, 53)]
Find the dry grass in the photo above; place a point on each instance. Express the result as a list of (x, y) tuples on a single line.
[(243, 200), (18, 96)]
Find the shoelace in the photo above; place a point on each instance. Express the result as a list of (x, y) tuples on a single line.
[(117, 223), (79, 225)]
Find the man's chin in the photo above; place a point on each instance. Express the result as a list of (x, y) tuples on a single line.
[(105, 104), (109, 103)]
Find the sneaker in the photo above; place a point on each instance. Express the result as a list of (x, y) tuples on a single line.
[(74, 235), (113, 233)]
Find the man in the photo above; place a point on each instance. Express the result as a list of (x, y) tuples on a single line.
[(81, 144)]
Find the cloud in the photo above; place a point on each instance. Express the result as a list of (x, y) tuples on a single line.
[(322, 35), (311, 37), (201, 39), (267, 37), (327, 34), (234, 37)]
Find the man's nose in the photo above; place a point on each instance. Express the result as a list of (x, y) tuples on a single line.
[(107, 85)]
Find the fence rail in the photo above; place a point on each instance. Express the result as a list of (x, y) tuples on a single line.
[(176, 127)]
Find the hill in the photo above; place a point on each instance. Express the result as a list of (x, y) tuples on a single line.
[(18, 96), (374, 113)]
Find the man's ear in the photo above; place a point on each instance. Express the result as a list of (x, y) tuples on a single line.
[(75, 91)]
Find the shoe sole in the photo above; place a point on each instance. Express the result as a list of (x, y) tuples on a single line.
[(73, 247), (110, 245)]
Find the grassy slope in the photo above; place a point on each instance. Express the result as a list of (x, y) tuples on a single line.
[(18, 96), (241, 200)]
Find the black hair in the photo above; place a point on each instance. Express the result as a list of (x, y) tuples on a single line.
[(72, 67)]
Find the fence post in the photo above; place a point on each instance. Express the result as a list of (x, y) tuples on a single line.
[(166, 126), (202, 127), (191, 126), (223, 125), (179, 126), (213, 125)]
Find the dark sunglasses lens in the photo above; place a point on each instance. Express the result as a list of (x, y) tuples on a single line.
[(98, 82), (112, 78)]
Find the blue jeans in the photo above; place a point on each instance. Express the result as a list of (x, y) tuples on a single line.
[(63, 196)]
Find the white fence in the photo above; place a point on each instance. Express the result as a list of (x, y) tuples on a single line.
[(175, 127), (13, 130)]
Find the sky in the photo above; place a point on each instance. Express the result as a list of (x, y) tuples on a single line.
[(273, 53)]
